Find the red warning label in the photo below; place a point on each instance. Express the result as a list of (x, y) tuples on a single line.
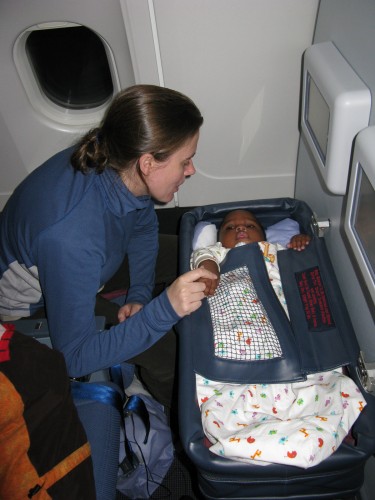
[(314, 299)]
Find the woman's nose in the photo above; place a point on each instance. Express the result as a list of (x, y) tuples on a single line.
[(190, 170)]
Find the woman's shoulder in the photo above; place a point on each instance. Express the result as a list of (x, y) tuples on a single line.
[(48, 194)]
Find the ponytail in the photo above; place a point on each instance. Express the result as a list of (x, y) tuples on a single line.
[(90, 153)]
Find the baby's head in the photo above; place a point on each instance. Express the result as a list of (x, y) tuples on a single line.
[(240, 226)]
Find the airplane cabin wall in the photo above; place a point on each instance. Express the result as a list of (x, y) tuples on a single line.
[(349, 24), (28, 137), (239, 61)]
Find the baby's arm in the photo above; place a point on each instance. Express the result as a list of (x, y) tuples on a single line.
[(299, 242), (209, 258)]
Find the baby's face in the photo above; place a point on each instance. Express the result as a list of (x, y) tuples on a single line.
[(240, 226)]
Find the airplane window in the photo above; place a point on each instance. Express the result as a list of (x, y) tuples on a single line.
[(71, 66)]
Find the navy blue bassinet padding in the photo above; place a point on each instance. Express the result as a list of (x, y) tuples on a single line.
[(319, 318), (319, 337)]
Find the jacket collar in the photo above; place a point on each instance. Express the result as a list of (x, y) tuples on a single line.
[(119, 199)]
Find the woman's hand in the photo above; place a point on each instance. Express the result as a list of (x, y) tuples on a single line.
[(128, 310), (187, 292)]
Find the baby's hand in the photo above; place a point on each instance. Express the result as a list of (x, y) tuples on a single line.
[(299, 242), (211, 284)]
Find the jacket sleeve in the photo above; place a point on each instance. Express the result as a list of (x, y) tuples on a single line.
[(69, 279), (142, 253)]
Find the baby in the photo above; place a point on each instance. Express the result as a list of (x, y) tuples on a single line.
[(297, 423), (239, 227)]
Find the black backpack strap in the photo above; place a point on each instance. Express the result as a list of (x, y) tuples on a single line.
[(133, 405)]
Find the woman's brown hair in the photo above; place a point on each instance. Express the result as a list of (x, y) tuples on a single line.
[(141, 119)]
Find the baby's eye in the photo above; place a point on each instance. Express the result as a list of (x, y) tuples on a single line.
[(230, 228), (251, 226)]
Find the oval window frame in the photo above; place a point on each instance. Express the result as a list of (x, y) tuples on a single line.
[(42, 104)]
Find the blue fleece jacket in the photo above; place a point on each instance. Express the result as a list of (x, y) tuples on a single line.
[(63, 234)]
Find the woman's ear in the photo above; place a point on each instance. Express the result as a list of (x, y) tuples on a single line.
[(146, 163)]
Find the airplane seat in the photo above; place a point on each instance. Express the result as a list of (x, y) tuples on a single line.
[(102, 422), (341, 474)]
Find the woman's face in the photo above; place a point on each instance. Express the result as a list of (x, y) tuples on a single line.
[(240, 226), (163, 179)]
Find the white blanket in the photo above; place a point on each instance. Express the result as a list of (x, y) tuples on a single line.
[(300, 423)]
